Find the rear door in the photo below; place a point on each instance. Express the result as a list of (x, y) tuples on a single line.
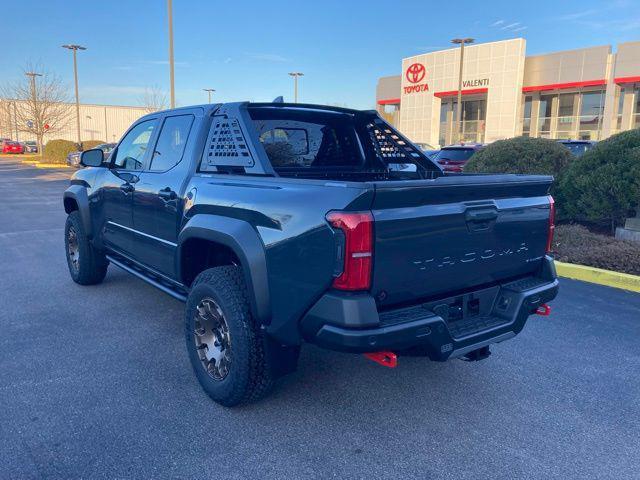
[(157, 201), (456, 233)]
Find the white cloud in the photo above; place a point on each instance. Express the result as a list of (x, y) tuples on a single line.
[(576, 15), (268, 57), (510, 26), (519, 29), (497, 23)]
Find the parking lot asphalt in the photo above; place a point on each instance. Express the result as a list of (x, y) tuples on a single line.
[(95, 383)]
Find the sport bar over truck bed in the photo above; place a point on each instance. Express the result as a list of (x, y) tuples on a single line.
[(280, 224)]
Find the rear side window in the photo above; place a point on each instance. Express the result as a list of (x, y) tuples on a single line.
[(171, 142), (321, 140), (455, 154)]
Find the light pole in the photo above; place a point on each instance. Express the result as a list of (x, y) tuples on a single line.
[(295, 76), (209, 91), (461, 42), (172, 88), (74, 49), (32, 76)]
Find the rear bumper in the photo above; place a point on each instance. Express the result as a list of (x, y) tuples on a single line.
[(445, 328)]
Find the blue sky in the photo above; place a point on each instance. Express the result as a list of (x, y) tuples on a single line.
[(244, 48)]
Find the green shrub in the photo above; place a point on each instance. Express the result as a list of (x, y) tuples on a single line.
[(56, 151), (603, 186), (576, 244), (521, 155), (89, 144)]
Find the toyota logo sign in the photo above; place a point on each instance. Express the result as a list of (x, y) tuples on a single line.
[(415, 73)]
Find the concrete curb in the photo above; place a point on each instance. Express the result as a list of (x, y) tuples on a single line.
[(624, 281)]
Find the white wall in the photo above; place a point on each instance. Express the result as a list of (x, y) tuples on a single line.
[(97, 122)]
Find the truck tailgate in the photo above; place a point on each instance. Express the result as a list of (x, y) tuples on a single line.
[(456, 232)]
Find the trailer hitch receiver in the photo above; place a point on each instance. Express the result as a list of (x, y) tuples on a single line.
[(386, 359)]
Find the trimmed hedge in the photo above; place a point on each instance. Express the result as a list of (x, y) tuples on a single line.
[(521, 155), (576, 244), (603, 186), (89, 144), (56, 151)]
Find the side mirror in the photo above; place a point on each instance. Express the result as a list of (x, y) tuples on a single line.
[(92, 158)]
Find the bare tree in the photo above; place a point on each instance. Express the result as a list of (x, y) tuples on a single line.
[(7, 124), (153, 99), (40, 103)]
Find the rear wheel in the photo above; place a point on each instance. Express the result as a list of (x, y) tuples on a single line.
[(225, 343), (87, 265)]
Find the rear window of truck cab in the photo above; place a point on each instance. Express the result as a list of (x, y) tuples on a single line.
[(294, 139), (313, 142)]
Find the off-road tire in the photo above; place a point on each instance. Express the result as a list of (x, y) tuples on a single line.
[(91, 265), (249, 376)]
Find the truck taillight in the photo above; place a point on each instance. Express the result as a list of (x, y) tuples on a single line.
[(357, 228), (552, 224)]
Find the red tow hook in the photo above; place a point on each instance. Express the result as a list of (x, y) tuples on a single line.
[(544, 310), (386, 359)]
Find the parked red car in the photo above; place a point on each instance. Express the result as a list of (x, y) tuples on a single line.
[(12, 147), (454, 157)]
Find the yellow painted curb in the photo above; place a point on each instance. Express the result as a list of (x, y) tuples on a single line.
[(51, 165), (47, 165), (599, 276)]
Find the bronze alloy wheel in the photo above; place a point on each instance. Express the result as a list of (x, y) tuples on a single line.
[(73, 249), (212, 339)]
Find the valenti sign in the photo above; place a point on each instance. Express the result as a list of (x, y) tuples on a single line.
[(415, 75)]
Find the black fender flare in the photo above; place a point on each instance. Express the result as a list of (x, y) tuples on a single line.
[(79, 194), (244, 241)]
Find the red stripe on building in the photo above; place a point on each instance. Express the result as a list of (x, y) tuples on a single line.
[(389, 101), (562, 86), (627, 79), (452, 93)]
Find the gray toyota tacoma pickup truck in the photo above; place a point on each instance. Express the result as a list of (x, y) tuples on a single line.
[(280, 224)]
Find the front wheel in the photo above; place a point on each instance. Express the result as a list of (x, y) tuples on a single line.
[(87, 265), (225, 343)]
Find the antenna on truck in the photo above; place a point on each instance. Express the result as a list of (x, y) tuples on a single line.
[(278, 99)]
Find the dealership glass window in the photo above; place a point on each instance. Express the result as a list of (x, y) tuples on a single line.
[(621, 92), (591, 108), (474, 112), (544, 115), (391, 112), (445, 122), (526, 114), (636, 109), (473, 118), (566, 119)]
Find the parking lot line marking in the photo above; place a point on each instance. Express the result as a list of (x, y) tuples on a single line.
[(21, 232)]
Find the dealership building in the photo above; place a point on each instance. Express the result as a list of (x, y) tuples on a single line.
[(589, 93)]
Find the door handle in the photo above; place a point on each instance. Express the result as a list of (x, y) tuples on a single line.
[(167, 194), (127, 188), (481, 215)]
